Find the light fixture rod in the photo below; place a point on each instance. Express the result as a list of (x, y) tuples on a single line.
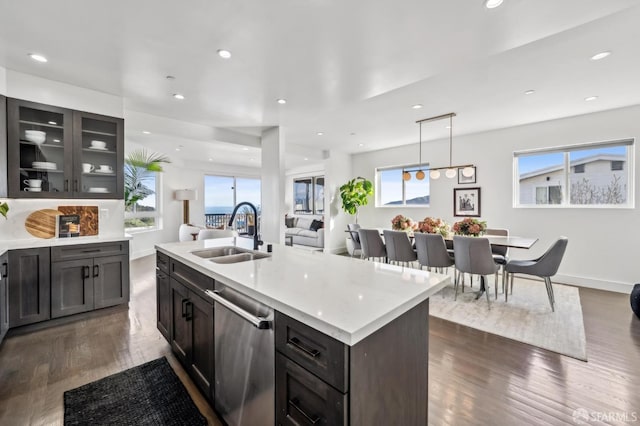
[(437, 117), (450, 140), (420, 144)]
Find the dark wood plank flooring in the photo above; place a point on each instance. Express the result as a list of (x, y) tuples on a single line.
[(475, 378)]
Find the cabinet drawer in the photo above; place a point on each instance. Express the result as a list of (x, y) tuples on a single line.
[(324, 356), (303, 399), (162, 262), (84, 251), (189, 276)]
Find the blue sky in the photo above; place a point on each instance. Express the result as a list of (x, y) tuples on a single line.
[(391, 186), (535, 162), (218, 191)]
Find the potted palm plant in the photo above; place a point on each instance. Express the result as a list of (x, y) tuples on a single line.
[(138, 167)]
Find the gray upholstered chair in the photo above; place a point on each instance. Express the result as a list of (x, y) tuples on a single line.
[(355, 239), (500, 253), (432, 251), (473, 256), (544, 267), (399, 247), (372, 244)]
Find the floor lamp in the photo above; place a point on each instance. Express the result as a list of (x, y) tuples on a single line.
[(186, 195)]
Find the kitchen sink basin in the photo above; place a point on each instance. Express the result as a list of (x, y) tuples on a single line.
[(240, 257), (219, 251), (229, 254)]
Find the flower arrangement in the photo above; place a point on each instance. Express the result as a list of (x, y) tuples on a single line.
[(401, 223), (431, 225), (469, 226)]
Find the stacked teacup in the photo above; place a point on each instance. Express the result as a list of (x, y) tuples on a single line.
[(33, 185)]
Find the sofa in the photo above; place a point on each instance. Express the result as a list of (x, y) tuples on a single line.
[(305, 231)]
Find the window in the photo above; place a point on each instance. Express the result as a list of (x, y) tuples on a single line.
[(144, 214), (589, 174), (222, 193), (393, 190), (308, 195)]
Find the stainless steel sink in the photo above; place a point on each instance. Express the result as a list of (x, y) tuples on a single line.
[(219, 251), (229, 254), (240, 257)]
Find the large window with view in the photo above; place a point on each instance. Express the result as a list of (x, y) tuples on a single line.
[(580, 175), (222, 193), (308, 195), (392, 190), (142, 211)]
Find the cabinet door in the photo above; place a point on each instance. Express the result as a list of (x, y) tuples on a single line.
[(71, 287), (29, 286), (110, 280), (98, 156), (163, 295), (3, 146), (201, 313), (180, 322), (4, 295), (39, 150)]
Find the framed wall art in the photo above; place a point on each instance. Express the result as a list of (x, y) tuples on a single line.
[(466, 202), (462, 179)]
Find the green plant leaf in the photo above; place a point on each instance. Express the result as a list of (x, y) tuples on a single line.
[(4, 209)]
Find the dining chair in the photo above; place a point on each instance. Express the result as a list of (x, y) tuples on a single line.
[(209, 234), (432, 252), (399, 248), (544, 267), (500, 253), (372, 244), (355, 238), (472, 255)]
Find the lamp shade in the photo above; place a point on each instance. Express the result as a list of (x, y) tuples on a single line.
[(186, 194)]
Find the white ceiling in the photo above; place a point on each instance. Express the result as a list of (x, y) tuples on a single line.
[(349, 69)]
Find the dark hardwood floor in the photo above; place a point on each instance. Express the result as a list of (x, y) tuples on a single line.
[(475, 378)]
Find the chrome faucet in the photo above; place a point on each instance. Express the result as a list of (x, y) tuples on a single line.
[(257, 242)]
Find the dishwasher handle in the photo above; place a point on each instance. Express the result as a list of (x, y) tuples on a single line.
[(258, 322)]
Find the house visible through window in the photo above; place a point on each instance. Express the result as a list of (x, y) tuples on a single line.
[(393, 190), (589, 174)]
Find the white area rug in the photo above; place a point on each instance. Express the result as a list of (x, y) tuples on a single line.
[(526, 317)]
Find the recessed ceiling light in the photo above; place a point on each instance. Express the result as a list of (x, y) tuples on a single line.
[(306, 159), (319, 133), (245, 149), (282, 101), (590, 98), (492, 4), (360, 144), (178, 96), (37, 57), (417, 106), (447, 127), (210, 159), (600, 55), (146, 132), (529, 92), (224, 53)]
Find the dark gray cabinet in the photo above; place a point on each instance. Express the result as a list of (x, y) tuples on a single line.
[(4, 295), (163, 295), (54, 156), (88, 276), (3, 145), (29, 286)]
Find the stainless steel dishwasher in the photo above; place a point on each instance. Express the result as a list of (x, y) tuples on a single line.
[(244, 392)]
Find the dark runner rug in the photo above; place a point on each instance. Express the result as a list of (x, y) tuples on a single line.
[(149, 394)]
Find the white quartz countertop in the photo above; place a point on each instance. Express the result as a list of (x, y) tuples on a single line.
[(52, 242), (345, 298)]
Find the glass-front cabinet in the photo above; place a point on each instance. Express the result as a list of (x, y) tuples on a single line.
[(60, 153)]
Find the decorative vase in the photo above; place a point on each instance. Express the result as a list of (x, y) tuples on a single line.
[(635, 300)]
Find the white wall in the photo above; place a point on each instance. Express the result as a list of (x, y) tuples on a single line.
[(602, 242), (272, 185), (338, 172)]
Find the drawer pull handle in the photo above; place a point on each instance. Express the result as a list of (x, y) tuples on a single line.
[(157, 268), (85, 272), (5, 270), (184, 310), (96, 270), (91, 251), (296, 343), (311, 419)]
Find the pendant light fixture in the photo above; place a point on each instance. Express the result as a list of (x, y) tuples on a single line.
[(451, 171), (420, 175)]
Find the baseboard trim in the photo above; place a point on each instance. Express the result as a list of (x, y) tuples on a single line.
[(142, 253), (336, 250), (615, 286)]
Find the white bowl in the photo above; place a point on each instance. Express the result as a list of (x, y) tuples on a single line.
[(35, 136), (98, 144)]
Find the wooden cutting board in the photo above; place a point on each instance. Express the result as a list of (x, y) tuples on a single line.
[(88, 218), (42, 223)]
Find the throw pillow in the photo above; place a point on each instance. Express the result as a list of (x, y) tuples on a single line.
[(316, 224), (289, 222)]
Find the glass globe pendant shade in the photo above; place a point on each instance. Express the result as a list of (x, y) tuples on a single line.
[(419, 175), (450, 173), (406, 176), (434, 174), (468, 171)]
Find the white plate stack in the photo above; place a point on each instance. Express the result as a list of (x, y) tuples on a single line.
[(44, 165)]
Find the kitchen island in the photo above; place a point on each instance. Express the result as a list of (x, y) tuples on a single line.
[(351, 336)]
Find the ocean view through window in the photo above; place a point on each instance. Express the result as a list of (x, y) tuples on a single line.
[(222, 193)]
